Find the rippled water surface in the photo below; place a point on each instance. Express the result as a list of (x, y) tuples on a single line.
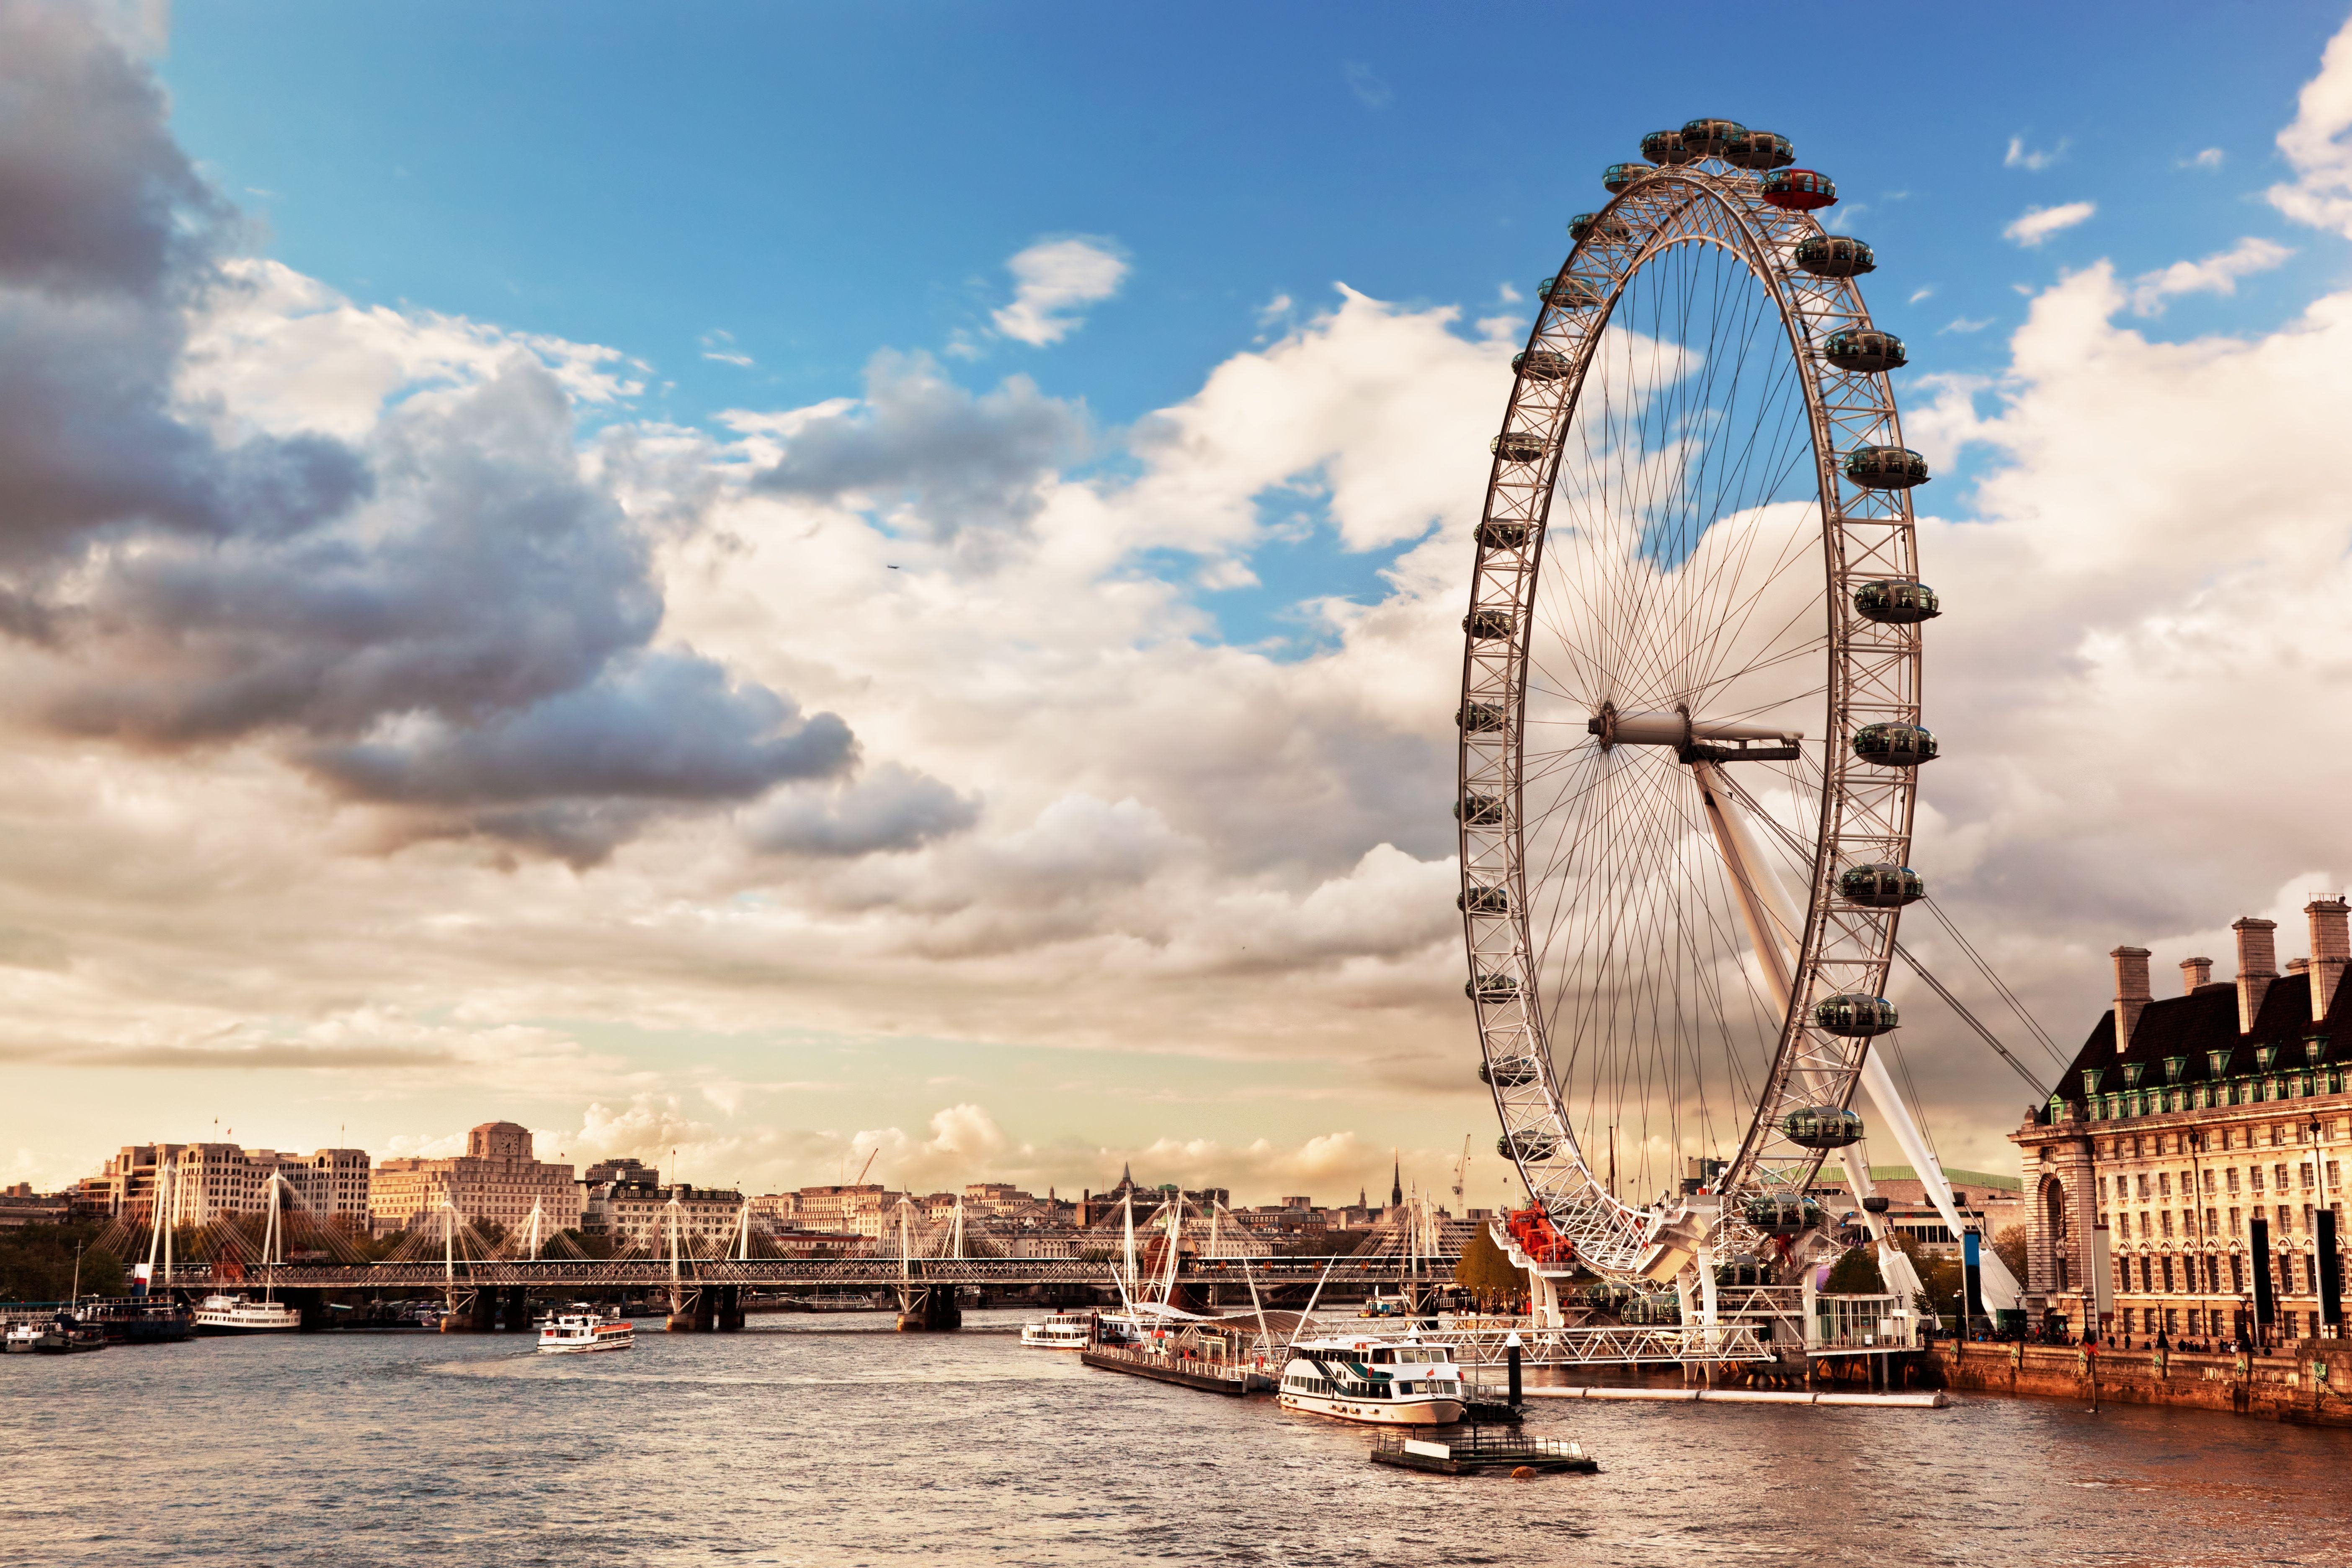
[(831, 1440)]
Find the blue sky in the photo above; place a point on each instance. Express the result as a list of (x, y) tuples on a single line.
[(821, 181), (818, 183), (1028, 816)]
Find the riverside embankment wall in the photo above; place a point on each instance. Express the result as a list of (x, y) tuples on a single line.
[(2309, 1383)]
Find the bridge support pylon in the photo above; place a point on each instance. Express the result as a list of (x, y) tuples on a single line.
[(928, 1310), (731, 1309)]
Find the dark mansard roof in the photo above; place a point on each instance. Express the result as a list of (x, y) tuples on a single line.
[(2205, 1021)]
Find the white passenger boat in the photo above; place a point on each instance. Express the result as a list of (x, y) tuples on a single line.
[(239, 1315), (577, 1334), (1381, 1383), (22, 1338), (1058, 1332)]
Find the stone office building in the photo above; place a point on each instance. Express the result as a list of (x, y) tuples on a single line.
[(2197, 1142)]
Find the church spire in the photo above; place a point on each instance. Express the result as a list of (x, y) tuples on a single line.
[(1396, 1182)]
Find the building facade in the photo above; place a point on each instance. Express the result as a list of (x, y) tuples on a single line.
[(638, 1214), (2192, 1159), (198, 1182), (497, 1179)]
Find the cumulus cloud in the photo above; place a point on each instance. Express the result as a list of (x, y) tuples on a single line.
[(240, 509), (1053, 281), (2038, 224), (2317, 144), (935, 458), (892, 809), (2210, 158), (2216, 274)]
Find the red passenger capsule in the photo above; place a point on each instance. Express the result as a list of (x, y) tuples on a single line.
[(1799, 190)]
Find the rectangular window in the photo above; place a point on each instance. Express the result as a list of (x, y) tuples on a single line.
[(2302, 1176), (2143, 1186), (2254, 1178), (2165, 1222), (2212, 1228), (2278, 1177), (2103, 1189), (2230, 1177), (2164, 1183)]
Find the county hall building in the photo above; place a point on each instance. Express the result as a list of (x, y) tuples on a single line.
[(2193, 1151)]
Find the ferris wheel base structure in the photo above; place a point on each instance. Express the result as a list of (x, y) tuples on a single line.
[(1691, 732)]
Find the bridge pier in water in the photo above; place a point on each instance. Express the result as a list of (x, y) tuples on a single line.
[(928, 1310)]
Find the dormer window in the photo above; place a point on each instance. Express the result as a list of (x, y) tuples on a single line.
[(2091, 1077), (2173, 1068), (2265, 1057), (2131, 1073), (2218, 1063), (2314, 1047)]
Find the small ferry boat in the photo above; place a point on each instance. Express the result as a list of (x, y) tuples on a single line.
[(67, 1335), (1377, 1382), (237, 1315), (22, 1338), (1058, 1332), (579, 1332)]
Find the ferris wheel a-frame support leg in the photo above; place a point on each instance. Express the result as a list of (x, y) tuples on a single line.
[(1774, 933)]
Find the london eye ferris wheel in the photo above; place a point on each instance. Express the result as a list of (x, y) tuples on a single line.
[(1690, 716)]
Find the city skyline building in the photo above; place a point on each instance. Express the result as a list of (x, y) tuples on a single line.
[(499, 1179)]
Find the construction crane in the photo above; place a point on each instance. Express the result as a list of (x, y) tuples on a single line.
[(1461, 1175)]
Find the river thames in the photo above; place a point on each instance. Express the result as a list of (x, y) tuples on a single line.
[(831, 1440)]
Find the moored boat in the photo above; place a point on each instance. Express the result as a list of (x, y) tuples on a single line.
[(585, 1330), (1406, 1384), (65, 1335), (21, 1339), (1058, 1332), (238, 1315)]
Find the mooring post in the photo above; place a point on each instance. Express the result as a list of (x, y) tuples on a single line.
[(1511, 1357)]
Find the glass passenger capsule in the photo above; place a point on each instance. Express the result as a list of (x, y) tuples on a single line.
[(1782, 1215), (1799, 190), (1758, 150), (1865, 349), (1486, 626), (1821, 1126), (1895, 746), (1518, 446), (1666, 147), (1885, 467), (1540, 364), (1497, 534), (1493, 988), (1584, 226), (1881, 886), (1567, 292), (1619, 177), (1484, 900), (1479, 717), (1708, 137), (1511, 1072), (1479, 810), (1528, 1148), (1835, 256), (1893, 602), (1856, 1018), (1876, 1202)]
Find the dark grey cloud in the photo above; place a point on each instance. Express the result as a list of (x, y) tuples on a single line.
[(891, 808), (96, 194), (955, 460), (655, 726), (448, 616)]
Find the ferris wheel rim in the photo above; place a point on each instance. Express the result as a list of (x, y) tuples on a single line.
[(1702, 203)]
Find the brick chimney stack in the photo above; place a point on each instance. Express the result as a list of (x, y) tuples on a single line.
[(2131, 992), (2257, 967), (2331, 950), (2195, 972)]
